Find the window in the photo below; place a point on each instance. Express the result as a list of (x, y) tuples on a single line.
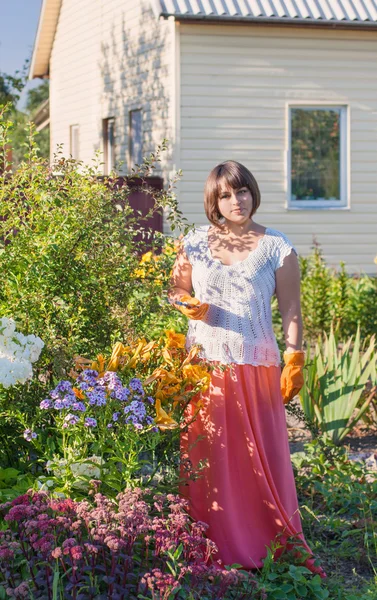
[(317, 157), (74, 141), (135, 138), (109, 144)]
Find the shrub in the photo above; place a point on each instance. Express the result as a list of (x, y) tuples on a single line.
[(133, 548), (335, 395)]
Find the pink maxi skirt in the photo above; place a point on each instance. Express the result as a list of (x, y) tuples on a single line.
[(246, 493)]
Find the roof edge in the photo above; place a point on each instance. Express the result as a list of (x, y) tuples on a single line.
[(271, 21), (45, 30)]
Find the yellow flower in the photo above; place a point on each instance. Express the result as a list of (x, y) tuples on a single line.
[(99, 365), (163, 420), (174, 340), (147, 257), (167, 357), (141, 343), (139, 273), (118, 351), (196, 374)]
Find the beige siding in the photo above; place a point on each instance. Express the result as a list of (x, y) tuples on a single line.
[(235, 82), (109, 57)]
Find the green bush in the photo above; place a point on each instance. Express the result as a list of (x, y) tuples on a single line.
[(336, 392), (68, 257), (332, 299)]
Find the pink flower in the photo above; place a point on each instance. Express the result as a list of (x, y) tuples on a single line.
[(56, 553), (76, 552)]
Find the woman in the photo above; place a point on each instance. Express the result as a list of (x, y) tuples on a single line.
[(246, 492)]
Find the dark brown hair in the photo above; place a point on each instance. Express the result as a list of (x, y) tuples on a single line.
[(236, 176)]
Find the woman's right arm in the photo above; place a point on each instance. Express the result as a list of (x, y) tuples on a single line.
[(180, 282)]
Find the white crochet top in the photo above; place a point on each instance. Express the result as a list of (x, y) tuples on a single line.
[(238, 325)]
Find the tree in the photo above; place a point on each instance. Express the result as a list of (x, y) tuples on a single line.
[(19, 136), (11, 87)]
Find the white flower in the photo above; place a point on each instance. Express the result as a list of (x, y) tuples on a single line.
[(17, 352)]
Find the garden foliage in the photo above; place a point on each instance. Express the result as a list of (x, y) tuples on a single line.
[(97, 428), (336, 394)]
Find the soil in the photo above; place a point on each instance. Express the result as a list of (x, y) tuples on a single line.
[(362, 439)]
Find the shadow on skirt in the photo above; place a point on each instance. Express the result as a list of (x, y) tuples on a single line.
[(246, 493)]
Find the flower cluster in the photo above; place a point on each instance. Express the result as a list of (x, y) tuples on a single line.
[(17, 353), (108, 548), (172, 375), (93, 397)]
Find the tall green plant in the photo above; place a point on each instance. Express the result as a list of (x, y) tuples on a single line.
[(68, 253), (68, 248), (335, 380), (315, 294)]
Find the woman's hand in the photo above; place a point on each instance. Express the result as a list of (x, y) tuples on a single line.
[(181, 288), (292, 378), (192, 307)]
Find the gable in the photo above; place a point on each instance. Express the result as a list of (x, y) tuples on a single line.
[(339, 13)]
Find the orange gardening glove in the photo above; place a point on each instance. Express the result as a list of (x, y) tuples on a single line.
[(196, 311), (292, 378)]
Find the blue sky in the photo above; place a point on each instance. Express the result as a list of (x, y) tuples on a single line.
[(18, 27)]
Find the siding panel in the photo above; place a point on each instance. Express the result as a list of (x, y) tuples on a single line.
[(110, 56), (235, 86)]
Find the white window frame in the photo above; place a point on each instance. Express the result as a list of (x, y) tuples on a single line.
[(108, 147), (74, 149), (321, 204), (132, 161)]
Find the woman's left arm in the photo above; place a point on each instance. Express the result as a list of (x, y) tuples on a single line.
[(288, 295)]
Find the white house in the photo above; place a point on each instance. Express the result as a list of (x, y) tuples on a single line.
[(289, 88)]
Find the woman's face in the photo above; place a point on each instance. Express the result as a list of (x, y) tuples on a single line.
[(235, 205)]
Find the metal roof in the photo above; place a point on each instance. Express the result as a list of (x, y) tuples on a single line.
[(320, 12)]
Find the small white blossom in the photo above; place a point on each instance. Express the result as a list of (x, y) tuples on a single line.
[(17, 353)]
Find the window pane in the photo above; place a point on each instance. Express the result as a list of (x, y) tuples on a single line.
[(136, 148), (74, 141), (315, 154), (109, 144)]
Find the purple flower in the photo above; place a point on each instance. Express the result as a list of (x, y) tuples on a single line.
[(70, 419), (136, 385), (150, 399), (116, 416), (101, 399), (29, 435), (67, 401), (59, 404), (109, 426), (80, 406), (88, 376), (97, 398), (132, 419), (63, 386), (83, 386), (45, 404), (89, 422), (111, 379), (149, 420), (137, 408), (121, 393), (89, 373)]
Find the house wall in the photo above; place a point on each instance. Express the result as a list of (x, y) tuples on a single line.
[(109, 57), (235, 82)]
